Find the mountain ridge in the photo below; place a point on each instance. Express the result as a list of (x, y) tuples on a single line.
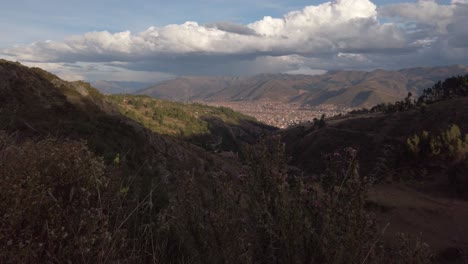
[(119, 87), (344, 88)]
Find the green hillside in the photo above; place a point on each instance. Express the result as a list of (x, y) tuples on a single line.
[(173, 118)]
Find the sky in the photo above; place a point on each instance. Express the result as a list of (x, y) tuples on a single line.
[(153, 40)]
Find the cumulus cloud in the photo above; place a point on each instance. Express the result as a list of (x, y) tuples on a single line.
[(424, 12), (438, 30), (329, 27), (342, 33), (232, 28), (98, 71), (306, 71)]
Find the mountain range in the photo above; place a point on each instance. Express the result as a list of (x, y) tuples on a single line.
[(118, 87), (344, 88)]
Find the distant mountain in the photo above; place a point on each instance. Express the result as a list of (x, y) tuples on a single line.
[(115, 87), (346, 88)]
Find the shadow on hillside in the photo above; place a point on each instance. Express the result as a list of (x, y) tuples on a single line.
[(33, 106), (372, 135), (227, 137)]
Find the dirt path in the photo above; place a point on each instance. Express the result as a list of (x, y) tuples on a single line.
[(440, 222)]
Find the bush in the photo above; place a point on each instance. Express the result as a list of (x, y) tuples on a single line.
[(53, 203), (266, 215), (58, 205), (448, 150), (449, 145)]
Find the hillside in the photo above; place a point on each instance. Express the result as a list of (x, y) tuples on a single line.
[(414, 194), (116, 87), (37, 104), (344, 88), (66, 152), (83, 183), (90, 178), (213, 128), (369, 133)]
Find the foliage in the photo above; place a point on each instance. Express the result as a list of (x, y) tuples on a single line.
[(267, 216), (449, 145), (413, 144), (173, 118), (448, 150), (449, 88), (54, 199), (319, 123), (59, 205), (398, 106)]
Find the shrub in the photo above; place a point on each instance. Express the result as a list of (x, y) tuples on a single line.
[(53, 203), (448, 150), (58, 205), (266, 215), (413, 144), (449, 145)]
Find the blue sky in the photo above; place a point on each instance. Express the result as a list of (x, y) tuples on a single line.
[(25, 21), (387, 34)]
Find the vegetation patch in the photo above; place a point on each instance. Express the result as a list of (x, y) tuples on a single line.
[(172, 118)]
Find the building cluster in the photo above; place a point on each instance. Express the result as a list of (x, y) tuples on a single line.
[(282, 115)]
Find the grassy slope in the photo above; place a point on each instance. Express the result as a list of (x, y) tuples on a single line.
[(212, 128), (172, 118)]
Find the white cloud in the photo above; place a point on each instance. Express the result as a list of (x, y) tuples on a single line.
[(97, 71), (438, 30), (340, 25), (426, 12), (306, 71), (342, 33)]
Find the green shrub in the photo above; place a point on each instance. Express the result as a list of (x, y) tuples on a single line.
[(449, 145), (448, 150), (413, 144)]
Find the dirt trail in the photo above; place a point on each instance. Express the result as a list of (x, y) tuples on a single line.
[(440, 222)]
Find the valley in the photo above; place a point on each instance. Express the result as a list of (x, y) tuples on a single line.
[(283, 100), (182, 179), (281, 115), (234, 132)]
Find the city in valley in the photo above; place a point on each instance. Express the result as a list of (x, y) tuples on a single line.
[(281, 115)]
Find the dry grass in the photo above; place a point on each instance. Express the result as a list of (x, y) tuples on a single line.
[(55, 203)]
